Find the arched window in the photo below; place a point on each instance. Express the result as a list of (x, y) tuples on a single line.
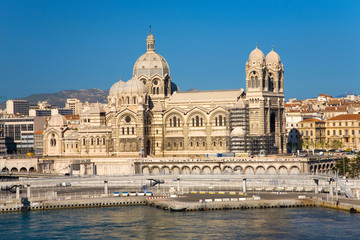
[(174, 144), (220, 120), (174, 121), (197, 121), (224, 121), (204, 144), (257, 81), (97, 141), (92, 141), (128, 100), (201, 121), (220, 143), (133, 130), (157, 90), (170, 122), (252, 82), (271, 84), (279, 83), (134, 100), (178, 122), (216, 121), (154, 90), (191, 144), (193, 122), (180, 144), (123, 131), (197, 144), (103, 141), (214, 143), (83, 141), (128, 130)]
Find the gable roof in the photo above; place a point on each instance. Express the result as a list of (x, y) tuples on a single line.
[(218, 95)]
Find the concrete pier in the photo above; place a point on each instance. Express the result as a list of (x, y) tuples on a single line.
[(75, 203), (174, 205)]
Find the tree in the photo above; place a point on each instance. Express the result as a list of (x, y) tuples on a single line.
[(336, 144), (349, 167), (300, 144)]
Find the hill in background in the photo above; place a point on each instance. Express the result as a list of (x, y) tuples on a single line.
[(59, 98)]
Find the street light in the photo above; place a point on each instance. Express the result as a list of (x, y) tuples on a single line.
[(141, 152)]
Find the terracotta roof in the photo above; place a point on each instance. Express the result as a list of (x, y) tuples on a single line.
[(346, 117), (39, 132), (324, 95), (72, 116), (312, 120), (336, 109)]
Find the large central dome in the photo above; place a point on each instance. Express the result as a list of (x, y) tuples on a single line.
[(151, 63)]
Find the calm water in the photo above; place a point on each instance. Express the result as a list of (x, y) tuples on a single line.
[(144, 222)]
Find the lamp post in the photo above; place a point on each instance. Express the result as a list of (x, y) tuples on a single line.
[(140, 145), (141, 151)]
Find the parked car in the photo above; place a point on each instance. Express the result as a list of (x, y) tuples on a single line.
[(303, 154), (63, 184)]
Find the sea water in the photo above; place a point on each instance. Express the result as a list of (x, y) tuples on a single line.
[(144, 222)]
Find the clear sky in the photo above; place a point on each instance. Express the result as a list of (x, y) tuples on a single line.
[(49, 46)]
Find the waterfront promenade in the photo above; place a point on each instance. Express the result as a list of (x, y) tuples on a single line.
[(182, 192)]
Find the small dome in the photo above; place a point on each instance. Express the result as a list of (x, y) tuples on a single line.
[(150, 37), (238, 132), (272, 58), (57, 120), (133, 86), (114, 90), (256, 56)]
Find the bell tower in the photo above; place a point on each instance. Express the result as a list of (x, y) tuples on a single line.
[(265, 97)]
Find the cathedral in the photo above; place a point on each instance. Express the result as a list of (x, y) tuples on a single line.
[(148, 115)]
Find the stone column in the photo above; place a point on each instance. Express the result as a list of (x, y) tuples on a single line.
[(106, 190), (331, 188), (28, 191), (17, 192), (178, 184), (244, 185), (316, 181)]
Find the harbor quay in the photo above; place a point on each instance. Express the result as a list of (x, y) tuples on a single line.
[(181, 192)]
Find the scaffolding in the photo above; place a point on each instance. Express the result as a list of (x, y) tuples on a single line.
[(239, 117)]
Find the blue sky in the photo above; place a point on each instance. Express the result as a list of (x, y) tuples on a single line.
[(49, 46)]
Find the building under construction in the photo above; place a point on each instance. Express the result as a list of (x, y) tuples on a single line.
[(240, 139)]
